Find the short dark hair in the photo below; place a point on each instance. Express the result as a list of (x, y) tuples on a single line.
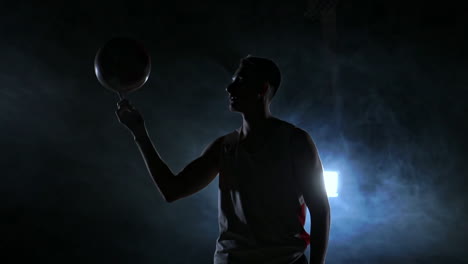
[(266, 69)]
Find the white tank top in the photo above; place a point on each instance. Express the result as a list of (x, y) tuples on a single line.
[(260, 210)]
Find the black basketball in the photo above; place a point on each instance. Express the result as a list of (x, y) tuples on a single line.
[(122, 65)]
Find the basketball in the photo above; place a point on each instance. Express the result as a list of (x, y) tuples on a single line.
[(122, 65)]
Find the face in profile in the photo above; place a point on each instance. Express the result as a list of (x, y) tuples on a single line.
[(243, 91)]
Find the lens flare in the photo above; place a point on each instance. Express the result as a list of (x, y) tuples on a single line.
[(331, 183)]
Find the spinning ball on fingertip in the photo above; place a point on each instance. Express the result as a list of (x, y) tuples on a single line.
[(122, 65)]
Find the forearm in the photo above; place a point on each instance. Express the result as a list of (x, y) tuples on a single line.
[(157, 168), (319, 233)]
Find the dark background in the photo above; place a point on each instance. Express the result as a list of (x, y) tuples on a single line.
[(385, 101)]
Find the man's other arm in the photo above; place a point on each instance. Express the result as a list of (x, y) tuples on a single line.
[(310, 178)]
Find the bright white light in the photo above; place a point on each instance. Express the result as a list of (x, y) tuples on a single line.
[(331, 183)]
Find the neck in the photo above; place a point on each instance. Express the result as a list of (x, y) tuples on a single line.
[(255, 121)]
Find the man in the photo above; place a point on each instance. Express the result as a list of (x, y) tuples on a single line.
[(269, 171)]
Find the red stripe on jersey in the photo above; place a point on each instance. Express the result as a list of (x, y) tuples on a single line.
[(302, 218)]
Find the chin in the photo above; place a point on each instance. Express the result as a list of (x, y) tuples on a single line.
[(234, 109)]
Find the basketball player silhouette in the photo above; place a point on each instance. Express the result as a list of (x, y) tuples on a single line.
[(269, 171)]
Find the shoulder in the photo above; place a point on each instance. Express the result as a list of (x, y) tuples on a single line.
[(297, 134), (283, 125), (222, 142), (224, 138), (229, 138), (214, 146), (301, 141), (215, 149)]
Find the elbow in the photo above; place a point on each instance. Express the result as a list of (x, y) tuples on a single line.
[(168, 193), (320, 219), (168, 198), (174, 191), (169, 201)]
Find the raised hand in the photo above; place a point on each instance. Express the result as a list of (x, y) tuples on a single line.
[(129, 116)]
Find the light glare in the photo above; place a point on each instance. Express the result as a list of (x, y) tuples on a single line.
[(331, 183)]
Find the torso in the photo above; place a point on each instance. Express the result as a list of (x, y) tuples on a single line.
[(260, 208)]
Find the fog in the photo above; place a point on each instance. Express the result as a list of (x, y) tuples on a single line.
[(384, 104)]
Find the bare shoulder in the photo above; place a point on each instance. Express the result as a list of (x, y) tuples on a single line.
[(302, 142), (215, 143), (297, 134), (284, 125), (215, 148)]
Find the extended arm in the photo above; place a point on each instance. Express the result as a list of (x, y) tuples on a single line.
[(310, 178), (194, 177)]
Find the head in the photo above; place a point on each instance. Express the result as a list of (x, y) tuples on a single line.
[(254, 84)]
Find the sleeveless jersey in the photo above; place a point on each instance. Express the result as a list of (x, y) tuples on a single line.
[(261, 213)]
